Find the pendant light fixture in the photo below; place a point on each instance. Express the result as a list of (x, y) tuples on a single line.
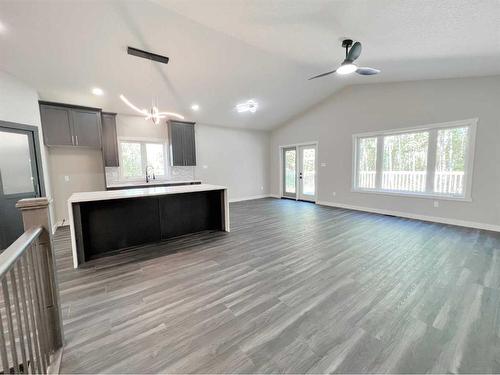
[(153, 113)]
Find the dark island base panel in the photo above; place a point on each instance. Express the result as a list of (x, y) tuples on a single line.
[(145, 185), (105, 227)]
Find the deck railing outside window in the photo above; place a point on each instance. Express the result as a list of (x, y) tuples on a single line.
[(414, 181), (30, 320)]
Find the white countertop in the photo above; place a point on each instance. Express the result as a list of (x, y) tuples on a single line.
[(140, 192), (154, 182)]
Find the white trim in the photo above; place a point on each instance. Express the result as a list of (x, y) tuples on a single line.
[(435, 219), (241, 199), (449, 124), (469, 162), (412, 194), (142, 141)]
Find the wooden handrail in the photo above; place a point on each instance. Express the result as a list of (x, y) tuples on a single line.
[(10, 255)]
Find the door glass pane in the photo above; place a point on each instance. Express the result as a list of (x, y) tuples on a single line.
[(405, 162), (450, 160), (308, 171), (155, 158), (290, 178), (131, 159), (367, 162), (15, 163)]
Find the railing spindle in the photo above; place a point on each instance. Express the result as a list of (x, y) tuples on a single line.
[(3, 348), (17, 309), (42, 334), (10, 325), (33, 316), (25, 314)]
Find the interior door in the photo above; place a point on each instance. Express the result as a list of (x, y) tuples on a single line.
[(289, 169), (307, 172), (18, 179)]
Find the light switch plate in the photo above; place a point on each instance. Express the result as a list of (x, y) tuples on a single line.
[(436, 203), (323, 164), (66, 178)]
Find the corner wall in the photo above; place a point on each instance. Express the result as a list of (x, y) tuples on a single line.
[(373, 107)]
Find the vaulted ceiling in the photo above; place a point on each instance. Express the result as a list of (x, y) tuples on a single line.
[(226, 51)]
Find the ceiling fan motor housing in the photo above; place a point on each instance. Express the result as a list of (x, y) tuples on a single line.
[(346, 43)]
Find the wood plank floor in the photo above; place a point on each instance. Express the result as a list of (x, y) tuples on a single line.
[(294, 288)]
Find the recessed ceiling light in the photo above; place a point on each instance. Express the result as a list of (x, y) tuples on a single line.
[(97, 91), (195, 107), (248, 106)]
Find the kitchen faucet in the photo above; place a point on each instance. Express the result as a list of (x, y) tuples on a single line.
[(150, 173)]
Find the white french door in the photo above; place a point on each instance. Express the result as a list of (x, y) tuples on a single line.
[(299, 172), (307, 173)]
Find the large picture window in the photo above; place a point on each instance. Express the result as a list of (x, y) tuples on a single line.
[(433, 160), (137, 156)]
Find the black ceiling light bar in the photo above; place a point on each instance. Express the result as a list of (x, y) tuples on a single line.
[(147, 55)]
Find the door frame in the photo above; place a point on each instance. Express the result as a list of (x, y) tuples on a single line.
[(316, 162), (35, 137)]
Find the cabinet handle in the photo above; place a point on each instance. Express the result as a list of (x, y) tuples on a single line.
[(73, 140), (76, 139)]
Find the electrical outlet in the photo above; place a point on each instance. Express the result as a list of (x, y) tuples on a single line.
[(436, 203), (323, 164), (66, 178), (334, 193), (205, 167), (262, 188)]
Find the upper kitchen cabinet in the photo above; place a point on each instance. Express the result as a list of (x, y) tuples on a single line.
[(109, 140), (56, 124), (182, 143), (67, 125)]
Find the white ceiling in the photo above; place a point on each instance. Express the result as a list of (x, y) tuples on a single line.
[(226, 51)]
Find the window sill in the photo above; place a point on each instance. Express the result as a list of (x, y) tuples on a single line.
[(413, 195)]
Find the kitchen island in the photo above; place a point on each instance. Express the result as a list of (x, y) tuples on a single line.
[(106, 222)]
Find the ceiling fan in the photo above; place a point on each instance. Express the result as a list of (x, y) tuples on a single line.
[(352, 52)]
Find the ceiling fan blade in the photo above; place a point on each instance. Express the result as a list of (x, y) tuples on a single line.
[(322, 75), (367, 71), (354, 52)]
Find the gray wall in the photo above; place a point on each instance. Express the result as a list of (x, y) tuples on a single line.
[(373, 107)]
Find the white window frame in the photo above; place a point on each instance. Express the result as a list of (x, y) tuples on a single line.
[(142, 141), (431, 160)]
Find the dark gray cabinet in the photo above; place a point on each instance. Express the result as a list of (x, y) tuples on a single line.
[(56, 124), (182, 143), (66, 125), (109, 140)]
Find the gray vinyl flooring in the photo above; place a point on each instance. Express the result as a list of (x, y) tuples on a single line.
[(294, 288)]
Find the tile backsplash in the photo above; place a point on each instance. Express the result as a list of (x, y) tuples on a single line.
[(173, 174)]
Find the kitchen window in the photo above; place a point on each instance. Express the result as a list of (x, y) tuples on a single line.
[(428, 161), (136, 156)]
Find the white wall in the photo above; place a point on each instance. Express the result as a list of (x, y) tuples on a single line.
[(19, 104), (73, 170), (238, 159), (364, 108)]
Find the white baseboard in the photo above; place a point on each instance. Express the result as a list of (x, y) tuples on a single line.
[(249, 198), (275, 196), (58, 224), (435, 219)]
